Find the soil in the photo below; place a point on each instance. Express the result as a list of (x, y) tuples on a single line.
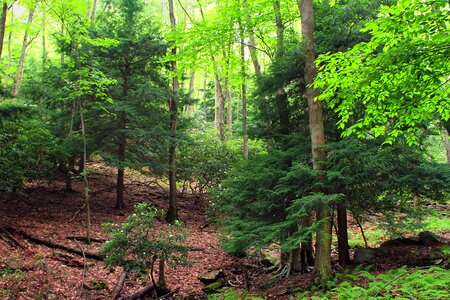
[(29, 270)]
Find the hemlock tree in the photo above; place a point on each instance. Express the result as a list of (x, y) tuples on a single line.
[(131, 55), (399, 78)]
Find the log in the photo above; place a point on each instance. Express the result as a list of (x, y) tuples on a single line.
[(148, 289), (53, 245), (119, 285)]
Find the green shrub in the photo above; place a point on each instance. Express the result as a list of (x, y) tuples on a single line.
[(138, 243), (28, 151), (432, 283)]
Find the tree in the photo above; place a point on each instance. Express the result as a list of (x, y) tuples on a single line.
[(172, 212), (323, 213), (398, 79)]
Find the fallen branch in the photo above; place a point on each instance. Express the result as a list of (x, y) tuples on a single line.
[(168, 294), (119, 285), (77, 213), (53, 245), (145, 291), (10, 239)]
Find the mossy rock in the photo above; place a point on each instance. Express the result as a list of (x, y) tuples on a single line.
[(213, 287)]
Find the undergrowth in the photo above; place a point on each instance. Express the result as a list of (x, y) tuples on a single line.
[(233, 294), (402, 283)]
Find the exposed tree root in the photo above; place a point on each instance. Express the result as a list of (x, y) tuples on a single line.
[(8, 238)]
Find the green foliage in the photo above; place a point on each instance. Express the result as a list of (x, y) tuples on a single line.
[(204, 161), (432, 283), (398, 80), (137, 242), (232, 294), (28, 150)]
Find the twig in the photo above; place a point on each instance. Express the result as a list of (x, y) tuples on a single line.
[(77, 213), (84, 267), (362, 231)]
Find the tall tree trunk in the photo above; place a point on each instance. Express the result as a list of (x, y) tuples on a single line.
[(85, 179), (323, 213), (229, 110), (3, 26), (219, 110), (446, 141), (8, 68), (21, 68), (251, 44), (205, 108), (342, 232), (120, 186), (93, 12), (244, 98), (172, 212), (190, 109), (282, 97)]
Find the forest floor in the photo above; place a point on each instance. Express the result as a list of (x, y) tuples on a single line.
[(46, 212)]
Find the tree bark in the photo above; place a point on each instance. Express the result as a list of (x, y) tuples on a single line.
[(219, 107), (252, 45), (3, 26), (21, 67), (446, 142), (85, 179), (323, 213), (172, 212), (244, 99), (343, 248), (122, 143), (229, 110)]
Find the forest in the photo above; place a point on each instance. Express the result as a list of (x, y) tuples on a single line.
[(224, 149)]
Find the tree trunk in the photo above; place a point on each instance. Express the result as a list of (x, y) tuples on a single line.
[(190, 108), (244, 99), (21, 67), (120, 186), (219, 107), (252, 45), (172, 212), (323, 214), (229, 110), (8, 68), (447, 143), (162, 273), (343, 248), (282, 97), (122, 142), (85, 179), (3, 26), (93, 12)]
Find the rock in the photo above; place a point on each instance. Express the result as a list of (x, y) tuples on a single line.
[(364, 255), (401, 242), (428, 238), (213, 287), (211, 276)]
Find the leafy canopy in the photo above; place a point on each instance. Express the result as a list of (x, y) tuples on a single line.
[(399, 79)]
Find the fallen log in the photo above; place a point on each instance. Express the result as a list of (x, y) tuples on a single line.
[(119, 285), (143, 292), (50, 244)]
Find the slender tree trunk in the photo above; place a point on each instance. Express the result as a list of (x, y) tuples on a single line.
[(244, 98), (447, 143), (62, 58), (190, 109), (229, 110), (252, 44), (282, 97), (205, 108), (21, 68), (3, 26), (343, 248), (219, 107), (162, 272), (120, 187), (8, 68), (172, 212), (323, 213), (93, 12), (85, 179)]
